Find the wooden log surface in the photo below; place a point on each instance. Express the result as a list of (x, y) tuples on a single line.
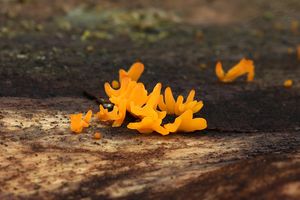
[(40, 158)]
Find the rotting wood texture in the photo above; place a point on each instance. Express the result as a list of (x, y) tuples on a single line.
[(40, 158)]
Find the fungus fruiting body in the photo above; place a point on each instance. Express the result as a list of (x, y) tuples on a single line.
[(134, 72), (151, 118), (130, 96), (177, 107), (288, 83), (186, 123), (78, 122), (97, 136), (243, 67)]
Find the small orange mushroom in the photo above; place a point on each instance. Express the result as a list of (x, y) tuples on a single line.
[(78, 123), (117, 115), (130, 92), (149, 124), (186, 123), (288, 83), (97, 136), (136, 94), (149, 109), (243, 67), (168, 103), (110, 91), (134, 72), (151, 118), (105, 115)]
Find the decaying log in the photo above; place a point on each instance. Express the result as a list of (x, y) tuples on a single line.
[(40, 158)]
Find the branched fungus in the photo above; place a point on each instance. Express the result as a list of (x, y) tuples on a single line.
[(186, 123), (168, 103), (151, 118), (128, 95), (243, 67), (134, 72), (78, 123)]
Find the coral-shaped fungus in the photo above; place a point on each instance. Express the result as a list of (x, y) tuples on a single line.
[(129, 92), (133, 73), (78, 123), (131, 96), (243, 67), (186, 123), (151, 118), (168, 103)]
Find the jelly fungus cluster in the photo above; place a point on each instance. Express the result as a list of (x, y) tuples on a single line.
[(130, 96), (243, 67)]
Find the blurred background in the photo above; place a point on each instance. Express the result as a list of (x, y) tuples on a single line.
[(51, 48)]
